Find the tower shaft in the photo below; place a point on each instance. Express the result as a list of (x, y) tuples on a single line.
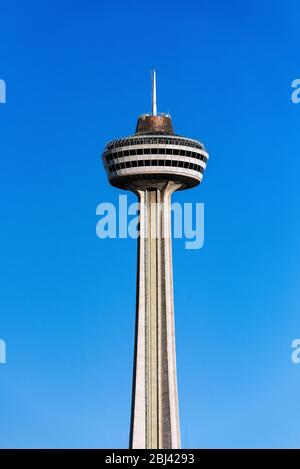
[(155, 418)]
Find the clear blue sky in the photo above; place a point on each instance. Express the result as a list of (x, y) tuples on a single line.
[(77, 75)]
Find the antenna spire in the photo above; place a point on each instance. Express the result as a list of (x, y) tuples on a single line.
[(154, 108)]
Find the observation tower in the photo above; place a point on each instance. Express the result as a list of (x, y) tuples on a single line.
[(153, 163)]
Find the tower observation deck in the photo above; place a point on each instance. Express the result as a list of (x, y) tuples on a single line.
[(153, 163)]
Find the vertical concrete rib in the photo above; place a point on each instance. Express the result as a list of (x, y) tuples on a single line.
[(155, 419)]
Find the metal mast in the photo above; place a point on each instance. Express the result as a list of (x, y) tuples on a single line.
[(154, 107)]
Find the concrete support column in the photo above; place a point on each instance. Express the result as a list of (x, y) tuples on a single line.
[(155, 419)]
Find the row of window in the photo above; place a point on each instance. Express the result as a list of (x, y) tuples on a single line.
[(147, 140), (177, 164), (155, 151)]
